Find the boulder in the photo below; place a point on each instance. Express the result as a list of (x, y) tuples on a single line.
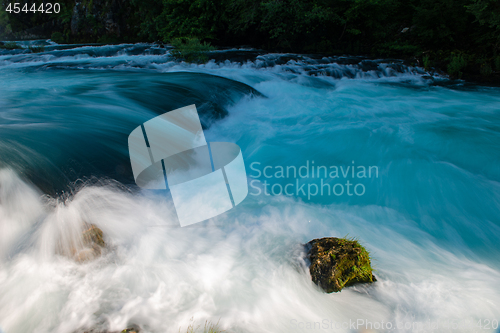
[(336, 263)]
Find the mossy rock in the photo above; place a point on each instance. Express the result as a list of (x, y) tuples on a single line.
[(338, 262)]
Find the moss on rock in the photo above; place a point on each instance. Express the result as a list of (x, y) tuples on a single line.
[(338, 262)]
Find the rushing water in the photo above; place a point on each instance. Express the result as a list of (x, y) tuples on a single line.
[(429, 213)]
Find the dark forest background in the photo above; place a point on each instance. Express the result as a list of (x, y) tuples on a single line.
[(457, 36)]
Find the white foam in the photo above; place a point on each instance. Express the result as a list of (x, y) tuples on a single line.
[(244, 273)]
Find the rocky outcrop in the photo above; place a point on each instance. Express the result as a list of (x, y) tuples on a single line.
[(336, 263)]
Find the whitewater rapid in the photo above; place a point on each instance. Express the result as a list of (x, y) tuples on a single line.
[(430, 218)]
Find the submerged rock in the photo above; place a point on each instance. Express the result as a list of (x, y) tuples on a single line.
[(93, 236), (93, 243), (338, 262)]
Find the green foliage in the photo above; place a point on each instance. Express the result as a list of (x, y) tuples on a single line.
[(195, 18), (487, 12), (57, 37), (190, 50), (456, 65), (5, 28), (10, 46), (487, 35), (388, 28), (291, 21), (147, 18), (442, 23), (426, 62), (486, 69)]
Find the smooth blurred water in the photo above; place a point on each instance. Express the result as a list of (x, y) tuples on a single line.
[(430, 219)]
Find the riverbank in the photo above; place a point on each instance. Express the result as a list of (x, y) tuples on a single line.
[(460, 37)]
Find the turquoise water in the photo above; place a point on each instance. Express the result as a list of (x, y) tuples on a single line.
[(428, 212)]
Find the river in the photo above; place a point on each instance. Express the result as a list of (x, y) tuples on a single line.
[(428, 211)]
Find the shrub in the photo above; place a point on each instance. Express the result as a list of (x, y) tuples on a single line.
[(426, 62), (57, 37), (10, 46), (486, 69), (457, 64), (191, 50)]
